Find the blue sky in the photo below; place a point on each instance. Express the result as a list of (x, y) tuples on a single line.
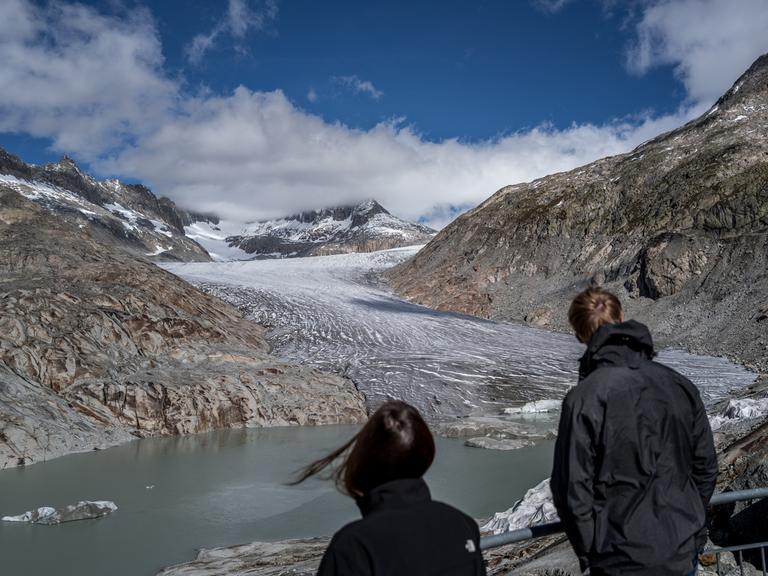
[(455, 68), (255, 108)]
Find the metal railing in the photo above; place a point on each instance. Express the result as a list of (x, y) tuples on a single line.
[(522, 534), (718, 552)]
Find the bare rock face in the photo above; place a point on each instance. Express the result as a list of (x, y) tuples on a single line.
[(669, 263), (300, 557), (126, 215), (678, 228), (97, 346), (540, 317)]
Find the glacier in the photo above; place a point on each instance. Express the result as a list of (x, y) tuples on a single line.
[(334, 313)]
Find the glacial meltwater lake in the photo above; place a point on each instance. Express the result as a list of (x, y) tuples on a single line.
[(175, 495)]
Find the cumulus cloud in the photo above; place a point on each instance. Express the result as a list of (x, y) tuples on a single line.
[(95, 85), (236, 21), (708, 42), (85, 80), (358, 86), (312, 95), (256, 155)]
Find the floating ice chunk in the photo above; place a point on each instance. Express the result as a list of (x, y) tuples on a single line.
[(40, 515), (535, 407), (740, 409), (83, 510), (536, 507)]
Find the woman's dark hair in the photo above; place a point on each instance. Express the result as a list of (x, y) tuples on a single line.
[(395, 443)]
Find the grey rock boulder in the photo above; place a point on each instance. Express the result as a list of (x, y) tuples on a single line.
[(298, 557)]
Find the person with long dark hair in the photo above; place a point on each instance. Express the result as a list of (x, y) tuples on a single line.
[(635, 463), (403, 531)]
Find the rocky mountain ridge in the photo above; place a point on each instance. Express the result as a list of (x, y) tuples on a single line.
[(365, 227), (128, 215), (98, 346), (678, 228)]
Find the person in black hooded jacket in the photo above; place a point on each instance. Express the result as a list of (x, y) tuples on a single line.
[(403, 531), (635, 464)]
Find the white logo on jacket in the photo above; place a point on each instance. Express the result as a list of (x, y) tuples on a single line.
[(470, 546)]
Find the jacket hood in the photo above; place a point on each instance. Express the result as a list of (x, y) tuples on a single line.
[(623, 344), (401, 493)]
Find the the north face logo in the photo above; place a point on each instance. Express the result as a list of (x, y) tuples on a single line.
[(470, 546)]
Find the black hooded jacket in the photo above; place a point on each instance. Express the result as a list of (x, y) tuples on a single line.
[(405, 533), (635, 463)]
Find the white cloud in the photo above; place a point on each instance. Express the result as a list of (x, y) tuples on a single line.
[(312, 95), (709, 42), (85, 80), (236, 21), (96, 86), (358, 86), (252, 155)]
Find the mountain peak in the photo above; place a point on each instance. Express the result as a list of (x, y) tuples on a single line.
[(366, 210), (362, 227), (754, 82), (66, 164)]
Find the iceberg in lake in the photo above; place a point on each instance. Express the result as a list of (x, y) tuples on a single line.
[(535, 508), (536, 407), (740, 409), (83, 510)]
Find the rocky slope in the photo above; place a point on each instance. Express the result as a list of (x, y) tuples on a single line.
[(126, 215), (365, 227), (97, 346), (678, 228)]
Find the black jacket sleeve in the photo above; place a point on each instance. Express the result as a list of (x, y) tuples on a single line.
[(704, 463), (481, 569), (704, 469), (574, 470)]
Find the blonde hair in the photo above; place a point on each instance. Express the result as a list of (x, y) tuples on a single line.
[(591, 309)]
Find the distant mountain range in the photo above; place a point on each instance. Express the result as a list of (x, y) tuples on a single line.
[(132, 217), (365, 227)]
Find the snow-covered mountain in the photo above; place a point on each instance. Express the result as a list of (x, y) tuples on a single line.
[(128, 215), (365, 227), (132, 217)]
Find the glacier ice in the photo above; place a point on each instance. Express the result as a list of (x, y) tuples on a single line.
[(535, 508), (332, 312), (83, 510)]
